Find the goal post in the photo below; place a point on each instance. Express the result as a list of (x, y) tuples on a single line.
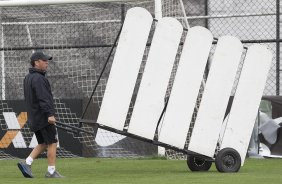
[(7, 3)]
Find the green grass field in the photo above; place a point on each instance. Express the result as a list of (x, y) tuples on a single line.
[(145, 171)]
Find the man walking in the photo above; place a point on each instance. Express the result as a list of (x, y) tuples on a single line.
[(41, 115)]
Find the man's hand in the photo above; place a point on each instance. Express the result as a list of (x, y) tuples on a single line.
[(51, 120)]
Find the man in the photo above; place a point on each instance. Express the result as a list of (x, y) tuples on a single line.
[(41, 115)]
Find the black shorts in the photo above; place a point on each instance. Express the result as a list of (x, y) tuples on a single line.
[(47, 135)]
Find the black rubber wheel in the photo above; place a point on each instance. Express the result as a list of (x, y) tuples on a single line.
[(228, 160), (198, 164)]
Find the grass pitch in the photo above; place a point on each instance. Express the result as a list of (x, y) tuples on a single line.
[(141, 171)]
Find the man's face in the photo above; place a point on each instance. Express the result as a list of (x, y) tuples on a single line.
[(41, 64)]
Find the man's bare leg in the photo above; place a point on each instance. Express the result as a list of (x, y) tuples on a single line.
[(51, 154), (35, 152), (38, 150)]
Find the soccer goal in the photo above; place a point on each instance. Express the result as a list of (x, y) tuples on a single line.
[(79, 35)]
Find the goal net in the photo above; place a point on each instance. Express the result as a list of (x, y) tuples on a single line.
[(79, 37)]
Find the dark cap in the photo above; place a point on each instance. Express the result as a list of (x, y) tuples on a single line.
[(39, 55)]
